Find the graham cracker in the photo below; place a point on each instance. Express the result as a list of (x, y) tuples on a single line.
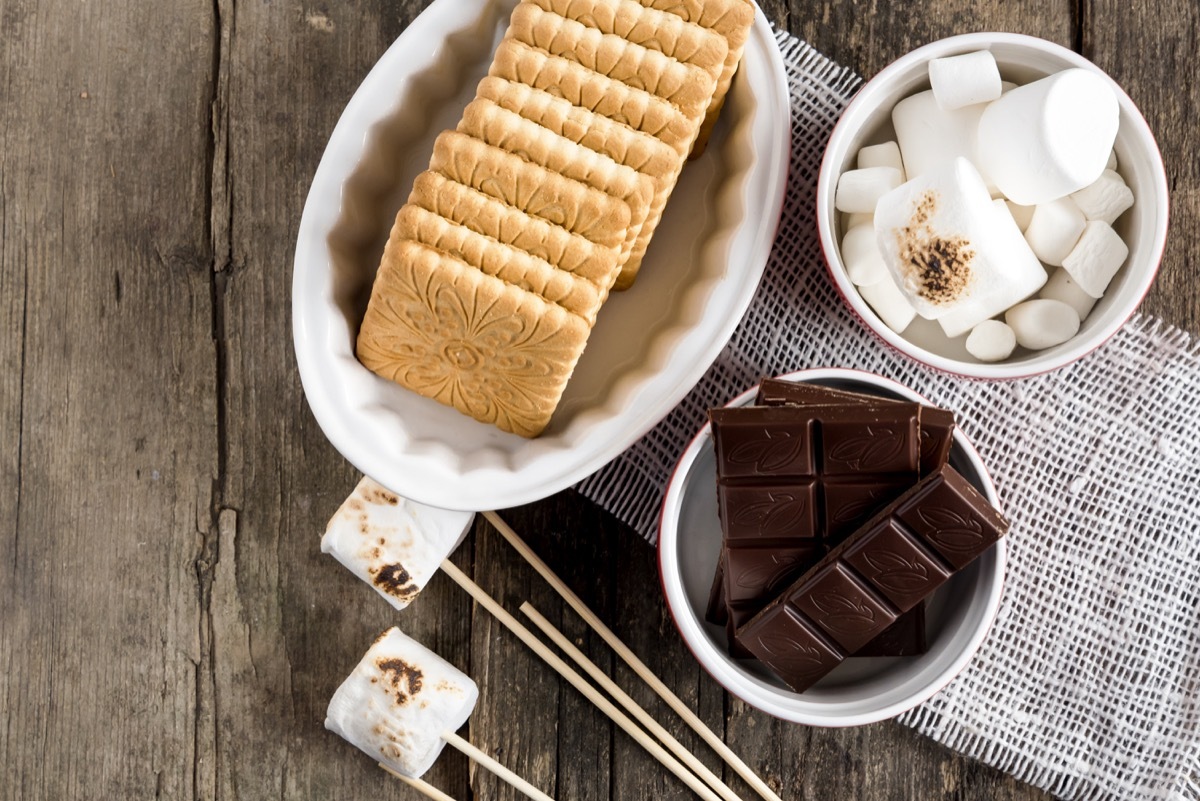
[(587, 211), (509, 264), (450, 332)]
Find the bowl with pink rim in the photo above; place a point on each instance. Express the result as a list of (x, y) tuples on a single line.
[(862, 689), (1021, 59)]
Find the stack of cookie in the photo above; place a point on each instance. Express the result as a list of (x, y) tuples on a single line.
[(545, 198)]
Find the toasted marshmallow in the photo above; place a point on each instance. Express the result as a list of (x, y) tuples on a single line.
[(392, 543), (952, 251), (398, 701)]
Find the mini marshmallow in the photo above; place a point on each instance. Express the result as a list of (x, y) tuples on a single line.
[(860, 254), (1042, 323), (884, 155), (1022, 214), (991, 341), (931, 137), (860, 190), (1062, 288), (889, 303), (398, 701), (1106, 199), (951, 251), (1096, 258), (965, 80), (1054, 229), (392, 543), (1048, 138)]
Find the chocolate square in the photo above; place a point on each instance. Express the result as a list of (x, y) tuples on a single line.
[(770, 511), (899, 568), (837, 602), (790, 647)]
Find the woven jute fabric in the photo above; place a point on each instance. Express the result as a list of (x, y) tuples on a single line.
[(1087, 685)]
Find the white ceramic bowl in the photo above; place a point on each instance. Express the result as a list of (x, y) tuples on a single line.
[(867, 120), (650, 344), (860, 690)]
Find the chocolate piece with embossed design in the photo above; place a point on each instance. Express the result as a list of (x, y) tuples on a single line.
[(885, 568)]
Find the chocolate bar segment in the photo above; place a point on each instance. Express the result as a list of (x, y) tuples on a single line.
[(842, 605), (905, 637), (937, 425)]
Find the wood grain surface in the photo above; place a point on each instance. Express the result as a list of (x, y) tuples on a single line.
[(168, 627)]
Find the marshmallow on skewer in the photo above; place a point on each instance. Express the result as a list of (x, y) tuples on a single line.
[(991, 341), (883, 155), (399, 701), (1063, 288), (860, 254), (965, 80), (1096, 258), (1054, 229), (951, 251), (931, 137), (1042, 323), (392, 543), (1048, 138), (889, 303), (1106, 199), (860, 190)]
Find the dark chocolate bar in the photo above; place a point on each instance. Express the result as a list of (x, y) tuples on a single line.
[(937, 425), (881, 571)]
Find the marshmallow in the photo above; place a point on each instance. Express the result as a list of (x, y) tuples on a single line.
[(889, 303), (1022, 214), (1111, 164), (1054, 229), (398, 701), (1042, 323), (392, 543), (1061, 287), (931, 137), (860, 254), (964, 80), (991, 341), (884, 155), (1007, 86), (1106, 199), (951, 251), (1048, 138), (860, 190), (1096, 258)]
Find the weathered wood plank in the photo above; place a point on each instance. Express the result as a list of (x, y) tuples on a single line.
[(290, 623), (1150, 49), (108, 413)]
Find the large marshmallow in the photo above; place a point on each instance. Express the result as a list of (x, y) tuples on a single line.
[(859, 190), (1062, 288), (883, 155), (1096, 258), (889, 303), (964, 80), (991, 341), (931, 137), (1048, 138), (392, 543), (1106, 199), (398, 701), (860, 254), (1042, 323), (1054, 229), (952, 251)]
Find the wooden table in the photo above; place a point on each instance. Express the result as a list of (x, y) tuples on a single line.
[(168, 628)]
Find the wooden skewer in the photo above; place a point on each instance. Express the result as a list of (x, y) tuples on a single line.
[(495, 767), (577, 681), (422, 787), (631, 659), (631, 706)]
